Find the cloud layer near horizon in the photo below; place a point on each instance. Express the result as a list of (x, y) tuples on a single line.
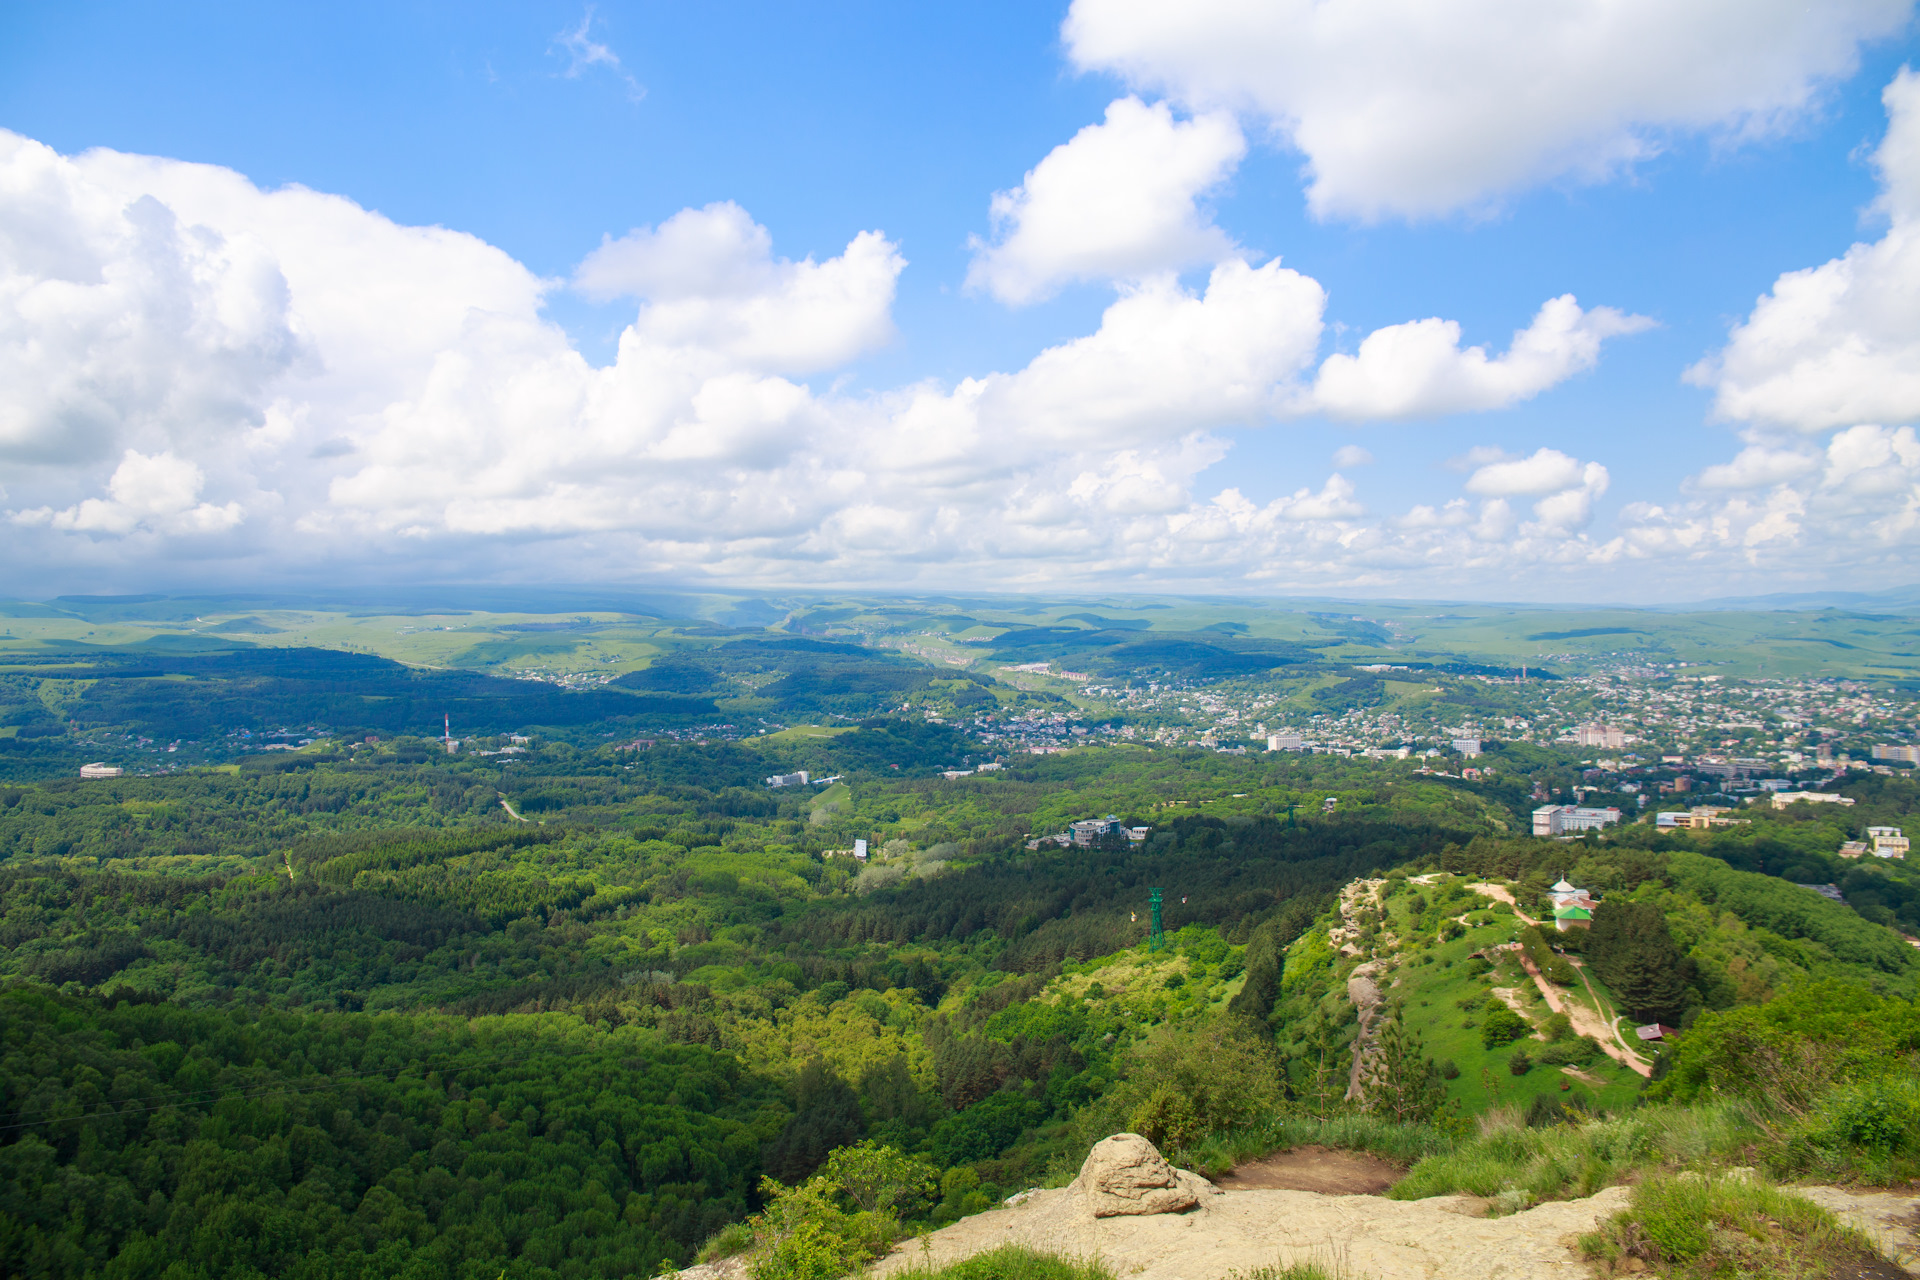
[(214, 380)]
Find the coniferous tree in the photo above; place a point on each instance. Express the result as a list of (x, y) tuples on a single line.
[(1634, 953), (1399, 1080)]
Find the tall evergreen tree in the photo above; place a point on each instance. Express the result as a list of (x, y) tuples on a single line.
[(1634, 953)]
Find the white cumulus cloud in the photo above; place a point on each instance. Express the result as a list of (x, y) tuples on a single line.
[(710, 281), (208, 378), (1118, 200), (1839, 344), (159, 493), (1418, 369), (1420, 107)]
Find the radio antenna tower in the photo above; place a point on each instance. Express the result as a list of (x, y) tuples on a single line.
[(1156, 938), (446, 730)]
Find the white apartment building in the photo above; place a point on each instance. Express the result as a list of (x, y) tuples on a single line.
[(1563, 819), (1286, 740), (1599, 735), (1781, 799)]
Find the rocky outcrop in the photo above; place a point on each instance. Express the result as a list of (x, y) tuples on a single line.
[(1126, 1174)]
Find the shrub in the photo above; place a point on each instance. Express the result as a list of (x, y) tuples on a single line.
[(1519, 1064), (804, 1235), (1202, 1077), (734, 1238), (1502, 1026), (879, 1178)]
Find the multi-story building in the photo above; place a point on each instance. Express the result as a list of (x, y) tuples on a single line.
[(1781, 799), (1887, 842), (1562, 819), (1885, 751), (1286, 740), (1600, 735), (1702, 817), (100, 769)]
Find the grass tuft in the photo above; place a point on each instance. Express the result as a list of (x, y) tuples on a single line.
[(1695, 1227), (1012, 1262)]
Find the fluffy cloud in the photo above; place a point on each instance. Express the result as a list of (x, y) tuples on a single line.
[(258, 384), (1420, 107), (711, 283), (1856, 503), (1565, 486), (1839, 344), (1418, 369), (158, 494), (1117, 200)]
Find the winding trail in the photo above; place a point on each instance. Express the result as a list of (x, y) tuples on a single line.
[(1587, 1021), (511, 813)]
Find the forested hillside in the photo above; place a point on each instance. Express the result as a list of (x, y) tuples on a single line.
[(363, 1009)]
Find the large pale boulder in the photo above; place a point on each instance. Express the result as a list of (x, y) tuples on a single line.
[(1126, 1174)]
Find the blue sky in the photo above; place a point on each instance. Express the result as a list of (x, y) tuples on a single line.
[(542, 129)]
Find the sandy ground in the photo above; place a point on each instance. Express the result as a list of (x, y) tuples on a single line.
[(1243, 1230), (1443, 1238)]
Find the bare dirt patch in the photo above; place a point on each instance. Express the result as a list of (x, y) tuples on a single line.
[(1315, 1168)]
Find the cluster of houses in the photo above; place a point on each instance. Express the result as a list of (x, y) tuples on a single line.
[(1090, 831)]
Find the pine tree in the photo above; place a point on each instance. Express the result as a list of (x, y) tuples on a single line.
[(1266, 962), (1399, 1080), (1634, 953)]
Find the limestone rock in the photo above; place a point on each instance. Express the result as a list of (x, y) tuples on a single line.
[(1126, 1174)]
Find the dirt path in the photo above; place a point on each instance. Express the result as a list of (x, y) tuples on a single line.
[(1499, 893), (504, 804), (1586, 1020), (1314, 1168), (1612, 1041)]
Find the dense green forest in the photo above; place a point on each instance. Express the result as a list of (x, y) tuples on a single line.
[(369, 1009)]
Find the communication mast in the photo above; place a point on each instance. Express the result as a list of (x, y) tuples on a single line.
[(1156, 937)]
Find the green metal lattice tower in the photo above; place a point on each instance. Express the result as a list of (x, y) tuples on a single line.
[(1156, 937)]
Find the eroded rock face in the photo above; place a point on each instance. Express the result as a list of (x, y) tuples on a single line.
[(1126, 1174)]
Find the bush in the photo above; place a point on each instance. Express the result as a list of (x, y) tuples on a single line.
[(734, 1238), (1502, 1026), (1519, 1064), (804, 1235), (1185, 1082)]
